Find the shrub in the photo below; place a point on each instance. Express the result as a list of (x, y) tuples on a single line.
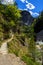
[(27, 60)]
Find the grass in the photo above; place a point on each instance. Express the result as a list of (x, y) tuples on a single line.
[(17, 48), (29, 61)]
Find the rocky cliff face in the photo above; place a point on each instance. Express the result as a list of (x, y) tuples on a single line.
[(26, 18), (39, 30), (39, 36)]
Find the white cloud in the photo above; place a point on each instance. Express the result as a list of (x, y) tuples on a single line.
[(31, 12), (22, 1), (7, 1), (34, 13), (20, 9), (23, 9), (30, 6), (26, 1), (26, 9)]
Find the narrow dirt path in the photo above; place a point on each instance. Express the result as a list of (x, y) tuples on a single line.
[(9, 59), (3, 48)]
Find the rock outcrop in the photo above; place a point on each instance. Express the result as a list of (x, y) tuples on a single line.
[(26, 18)]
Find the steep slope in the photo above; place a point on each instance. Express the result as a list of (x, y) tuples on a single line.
[(3, 48), (26, 18), (10, 59), (39, 36)]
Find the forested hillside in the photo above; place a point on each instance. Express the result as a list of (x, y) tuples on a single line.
[(23, 43)]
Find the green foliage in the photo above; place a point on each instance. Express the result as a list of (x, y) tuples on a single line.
[(27, 60), (13, 47), (9, 16), (10, 21)]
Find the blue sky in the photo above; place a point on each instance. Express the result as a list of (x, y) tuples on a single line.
[(33, 6)]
